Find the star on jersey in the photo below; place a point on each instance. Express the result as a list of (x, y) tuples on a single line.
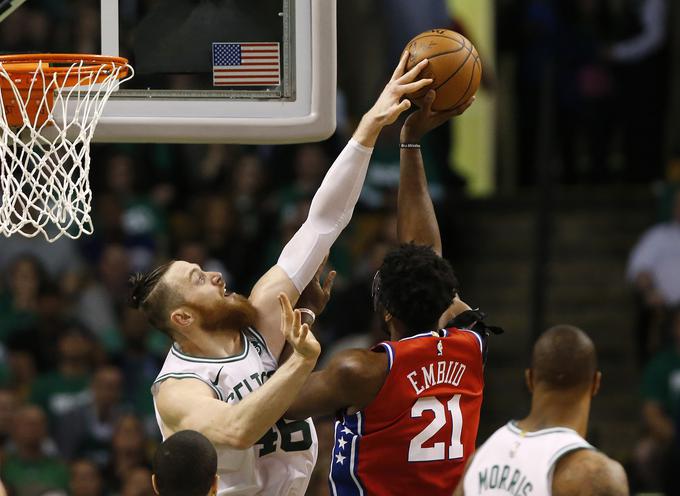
[(346, 431), (339, 458), (342, 442)]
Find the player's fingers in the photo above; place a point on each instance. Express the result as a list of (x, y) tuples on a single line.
[(319, 271), (414, 86), (328, 283), (304, 331), (403, 106), (401, 66), (297, 319), (286, 307), (413, 73)]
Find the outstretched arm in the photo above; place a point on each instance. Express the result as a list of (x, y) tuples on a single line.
[(191, 404), (416, 220), (351, 379), (332, 205)]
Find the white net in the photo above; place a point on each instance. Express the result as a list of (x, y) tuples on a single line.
[(47, 122)]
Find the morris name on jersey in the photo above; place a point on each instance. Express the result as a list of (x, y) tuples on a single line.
[(503, 478)]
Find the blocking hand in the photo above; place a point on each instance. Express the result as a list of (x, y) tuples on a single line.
[(298, 335)]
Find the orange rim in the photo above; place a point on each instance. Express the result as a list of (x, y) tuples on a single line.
[(22, 69), (19, 66)]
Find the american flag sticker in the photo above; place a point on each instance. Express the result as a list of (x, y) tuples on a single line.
[(246, 64)]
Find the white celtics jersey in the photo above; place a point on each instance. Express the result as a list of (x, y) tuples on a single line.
[(518, 463), (281, 462)]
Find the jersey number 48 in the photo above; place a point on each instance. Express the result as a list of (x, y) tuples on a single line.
[(290, 435), (416, 451)]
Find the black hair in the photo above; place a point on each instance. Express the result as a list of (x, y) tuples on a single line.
[(415, 285), (564, 358), (185, 464), (154, 297)]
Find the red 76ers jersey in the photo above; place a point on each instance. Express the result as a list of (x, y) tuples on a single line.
[(419, 431)]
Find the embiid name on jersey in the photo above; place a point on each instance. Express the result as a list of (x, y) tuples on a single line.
[(416, 435)]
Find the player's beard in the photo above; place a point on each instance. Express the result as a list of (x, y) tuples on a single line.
[(235, 313)]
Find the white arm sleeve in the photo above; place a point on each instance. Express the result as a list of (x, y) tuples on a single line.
[(329, 213)]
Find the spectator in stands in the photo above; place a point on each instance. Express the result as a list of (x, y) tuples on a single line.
[(87, 430), (138, 364), (100, 302), (21, 372), (185, 464), (60, 259), (8, 407), (137, 482), (252, 204), (19, 304), (310, 164), (128, 452), (30, 470), (656, 454), (654, 271), (66, 388), (40, 339), (143, 221), (85, 479)]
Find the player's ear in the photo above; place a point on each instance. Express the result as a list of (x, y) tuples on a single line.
[(213, 488), (529, 379), (181, 317), (597, 379), (153, 484)]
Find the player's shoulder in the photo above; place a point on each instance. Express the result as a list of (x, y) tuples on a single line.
[(471, 338), (356, 366), (588, 472)]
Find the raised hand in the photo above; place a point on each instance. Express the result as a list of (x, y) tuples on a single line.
[(298, 335), (391, 102), (424, 120), (316, 295)]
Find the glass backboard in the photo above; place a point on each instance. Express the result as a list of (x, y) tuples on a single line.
[(227, 71)]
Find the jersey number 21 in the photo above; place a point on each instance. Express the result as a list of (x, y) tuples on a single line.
[(416, 451)]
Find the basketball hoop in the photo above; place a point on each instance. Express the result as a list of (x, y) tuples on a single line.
[(49, 107)]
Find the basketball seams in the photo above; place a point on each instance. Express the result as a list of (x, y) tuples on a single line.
[(455, 72), (443, 53), (472, 77)]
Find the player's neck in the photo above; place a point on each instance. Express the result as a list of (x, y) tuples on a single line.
[(558, 409), (398, 330), (212, 345)]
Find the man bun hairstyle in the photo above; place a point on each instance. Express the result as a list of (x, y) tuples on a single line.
[(154, 297), (185, 464), (415, 285)]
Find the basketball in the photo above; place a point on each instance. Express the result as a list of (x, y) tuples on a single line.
[(454, 66)]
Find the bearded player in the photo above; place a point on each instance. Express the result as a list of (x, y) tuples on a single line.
[(218, 377), (546, 453), (409, 408)]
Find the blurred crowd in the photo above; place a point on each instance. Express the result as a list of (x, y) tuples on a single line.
[(76, 363)]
